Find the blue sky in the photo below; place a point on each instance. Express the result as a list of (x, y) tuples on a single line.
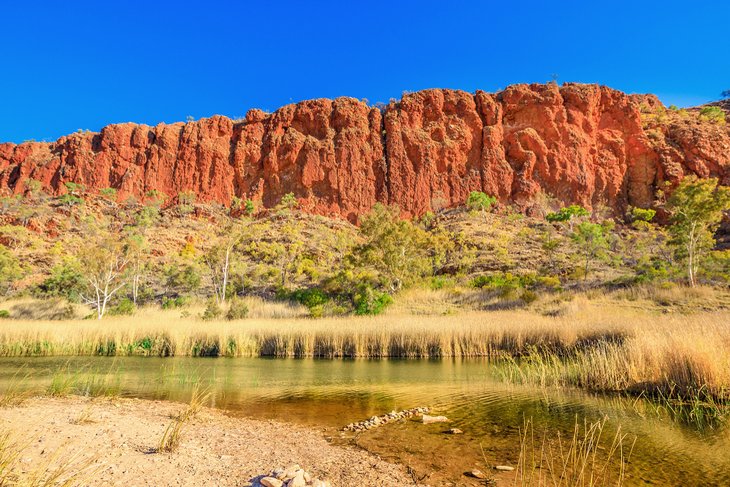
[(81, 65)]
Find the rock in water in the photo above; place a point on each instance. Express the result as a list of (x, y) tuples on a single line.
[(434, 419)]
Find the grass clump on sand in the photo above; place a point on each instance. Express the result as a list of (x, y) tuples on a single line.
[(172, 436)]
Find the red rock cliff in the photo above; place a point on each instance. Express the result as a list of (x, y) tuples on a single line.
[(585, 144)]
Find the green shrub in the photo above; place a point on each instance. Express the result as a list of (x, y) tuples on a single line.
[(65, 280), (176, 302), (212, 310), (713, 114), (549, 282), (369, 301), (505, 283), (109, 193), (642, 214), (567, 214), (4, 313), (70, 200), (310, 297), (249, 207), (186, 202), (237, 310), (124, 307), (441, 282), (478, 201)]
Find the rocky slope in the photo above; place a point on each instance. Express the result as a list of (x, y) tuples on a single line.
[(586, 144)]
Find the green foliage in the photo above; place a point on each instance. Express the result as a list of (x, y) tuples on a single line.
[(369, 301), (592, 240), (510, 286), (72, 187), (642, 214), (696, 208), (34, 188), (183, 278), (713, 114), (478, 201), (237, 310), (287, 203), (109, 193), (66, 280), (125, 307), (156, 197), (249, 207), (567, 214), (397, 249), (4, 314), (69, 200), (186, 202), (212, 310), (147, 216), (176, 302), (10, 270), (310, 298), (504, 282)]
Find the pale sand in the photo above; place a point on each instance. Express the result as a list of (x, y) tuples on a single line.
[(216, 449)]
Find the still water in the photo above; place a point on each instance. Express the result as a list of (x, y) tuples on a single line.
[(329, 394)]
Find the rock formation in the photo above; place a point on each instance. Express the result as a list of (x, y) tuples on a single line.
[(584, 144)]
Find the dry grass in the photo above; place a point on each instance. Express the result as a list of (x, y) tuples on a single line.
[(59, 468), (593, 344), (155, 332), (680, 356)]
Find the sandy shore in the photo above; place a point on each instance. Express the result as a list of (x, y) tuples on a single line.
[(116, 439)]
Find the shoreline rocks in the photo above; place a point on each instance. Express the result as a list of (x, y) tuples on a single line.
[(292, 476)]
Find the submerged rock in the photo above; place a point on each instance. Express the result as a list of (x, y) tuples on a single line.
[(434, 419), (376, 421)]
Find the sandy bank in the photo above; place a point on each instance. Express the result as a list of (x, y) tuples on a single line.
[(118, 436)]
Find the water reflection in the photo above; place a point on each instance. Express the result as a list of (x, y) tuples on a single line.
[(333, 393)]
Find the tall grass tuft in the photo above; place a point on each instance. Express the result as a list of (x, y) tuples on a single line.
[(172, 436), (586, 459)]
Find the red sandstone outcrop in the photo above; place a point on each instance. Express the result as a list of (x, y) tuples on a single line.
[(585, 144)]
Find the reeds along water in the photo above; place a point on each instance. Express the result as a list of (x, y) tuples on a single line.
[(604, 349)]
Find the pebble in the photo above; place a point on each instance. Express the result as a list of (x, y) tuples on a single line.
[(384, 419), (292, 476), (478, 474), (454, 431), (271, 482), (298, 480), (504, 468)]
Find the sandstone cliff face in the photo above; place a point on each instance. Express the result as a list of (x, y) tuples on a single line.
[(582, 144)]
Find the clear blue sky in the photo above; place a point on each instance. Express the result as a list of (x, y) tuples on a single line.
[(70, 65)]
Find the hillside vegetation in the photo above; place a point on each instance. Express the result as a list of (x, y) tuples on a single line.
[(113, 257)]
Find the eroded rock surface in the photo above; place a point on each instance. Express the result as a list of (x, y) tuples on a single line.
[(578, 143)]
